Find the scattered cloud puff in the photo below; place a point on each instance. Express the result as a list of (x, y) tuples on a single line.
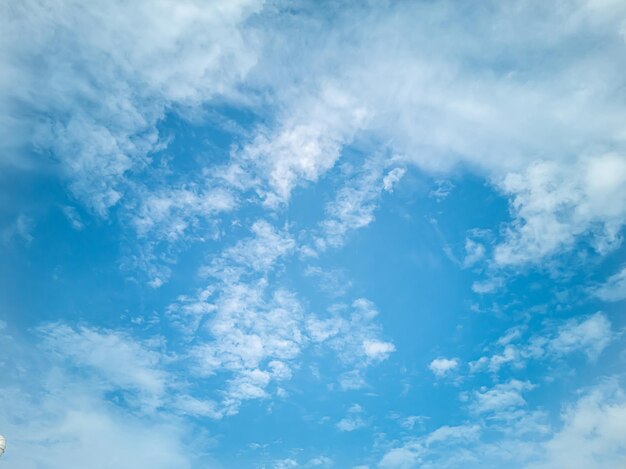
[(353, 338), (355, 203), (353, 421), (244, 328), (501, 397), (590, 335), (392, 178), (169, 214), (443, 366)]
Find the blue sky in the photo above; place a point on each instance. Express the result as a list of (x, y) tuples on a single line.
[(272, 235)]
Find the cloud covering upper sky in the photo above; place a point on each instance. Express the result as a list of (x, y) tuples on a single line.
[(275, 234)]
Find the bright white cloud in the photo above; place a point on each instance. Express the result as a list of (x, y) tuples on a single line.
[(443, 366), (546, 147), (592, 433), (377, 350), (305, 145), (547, 134), (554, 204), (253, 338)]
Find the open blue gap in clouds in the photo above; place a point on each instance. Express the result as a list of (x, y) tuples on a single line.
[(273, 236)]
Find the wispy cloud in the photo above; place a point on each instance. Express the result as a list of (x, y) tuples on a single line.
[(614, 289), (589, 335), (443, 366)]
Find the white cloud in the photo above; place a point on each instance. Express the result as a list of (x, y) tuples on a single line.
[(120, 361), (73, 217), (442, 190), (331, 281), (350, 424), (614, 289), (501, 397), (446, 433), (588, 334), (354, 205), (353, 421), (555, 203), (416, 451), (260, 252), (355, 340), (377, 350), (170, 213), (473, 252), (252, 333), (56, 433), (253, 338), (352, 380), (591, 335), (443, 366), (410, 421), (392, 178), (67, 417), (285, 463), (433, 93), (400, 458), (489, 285), (592, 434), (542, 124), (97, 104), (305, 145)]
